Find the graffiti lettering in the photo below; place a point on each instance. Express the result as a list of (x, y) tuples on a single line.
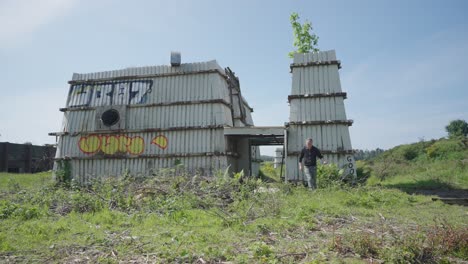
[(89, 144), (350, 164), (110, 93), (160, 141), (112, 144)]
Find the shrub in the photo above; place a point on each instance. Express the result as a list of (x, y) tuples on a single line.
[(445, 149), (7, 208), (261, 250), (328, 175), (63, 173), (83, 202), (363, 171), (409, 152), (365, 245), (23, 212), (27, 212)]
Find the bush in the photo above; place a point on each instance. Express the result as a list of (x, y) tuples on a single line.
[(23, 212), (82, 202), (328, 175), (363, 171), (445, 149), (409, 152), (7, 209)]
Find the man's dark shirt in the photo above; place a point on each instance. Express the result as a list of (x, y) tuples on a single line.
[(310, 156)]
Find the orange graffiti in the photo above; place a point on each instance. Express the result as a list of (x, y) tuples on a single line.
[(111, 144), (160, 141)]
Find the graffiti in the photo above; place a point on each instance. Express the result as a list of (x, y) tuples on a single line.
[(89, 144), (350, 165), (80, 95), (110, 93), (160, 141), (113, 144)]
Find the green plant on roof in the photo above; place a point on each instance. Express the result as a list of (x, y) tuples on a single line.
[(304, 39)]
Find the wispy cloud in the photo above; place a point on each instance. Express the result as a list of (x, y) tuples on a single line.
[(20, 18)]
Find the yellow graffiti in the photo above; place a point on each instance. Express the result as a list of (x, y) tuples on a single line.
[(137, 145), (111, 144), (160, 141), (89, 144)]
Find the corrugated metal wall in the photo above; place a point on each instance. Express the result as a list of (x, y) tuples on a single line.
[(168, 115), (317, 111)]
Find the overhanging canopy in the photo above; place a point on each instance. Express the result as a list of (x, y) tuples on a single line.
[(258, 136)]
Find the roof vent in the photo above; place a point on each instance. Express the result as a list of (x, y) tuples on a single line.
[(175, 58)]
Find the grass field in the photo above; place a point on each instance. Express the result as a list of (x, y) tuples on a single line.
[(198, 219)]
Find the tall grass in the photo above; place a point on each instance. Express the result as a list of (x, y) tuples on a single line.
[(188, 218)]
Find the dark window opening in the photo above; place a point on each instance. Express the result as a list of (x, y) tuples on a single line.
[(14, 170), (110, 117)]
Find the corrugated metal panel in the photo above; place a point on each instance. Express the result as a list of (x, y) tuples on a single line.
[(150, 70), (86, 171), (315, 57), (203, 86), (78, 121), (316, 109), (136, 144), (313, 80), (316, 104), (209, 114), (326, 137)]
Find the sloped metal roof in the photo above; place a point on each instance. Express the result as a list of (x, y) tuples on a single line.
[(151, 71)]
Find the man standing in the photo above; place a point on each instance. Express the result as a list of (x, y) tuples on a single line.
[(310, 153)]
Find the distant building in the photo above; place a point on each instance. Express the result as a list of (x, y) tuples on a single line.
[(25, 158)]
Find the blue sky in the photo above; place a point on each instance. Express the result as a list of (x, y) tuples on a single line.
[(404, 62)]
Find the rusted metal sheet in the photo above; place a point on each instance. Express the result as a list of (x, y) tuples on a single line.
[(317, 111)]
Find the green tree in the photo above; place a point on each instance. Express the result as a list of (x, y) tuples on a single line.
[(304, 39), (457, 128)]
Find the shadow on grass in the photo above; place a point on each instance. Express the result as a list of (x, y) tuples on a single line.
[(445, 192), (266, 178)]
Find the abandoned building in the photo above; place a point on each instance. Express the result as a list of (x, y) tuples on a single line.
[(25, 158), (140, 120)]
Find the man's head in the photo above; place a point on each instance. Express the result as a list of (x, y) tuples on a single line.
[(309, 143)]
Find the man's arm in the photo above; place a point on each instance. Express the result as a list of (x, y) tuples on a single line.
[(300, 159), (319, 154), (324, 161)]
